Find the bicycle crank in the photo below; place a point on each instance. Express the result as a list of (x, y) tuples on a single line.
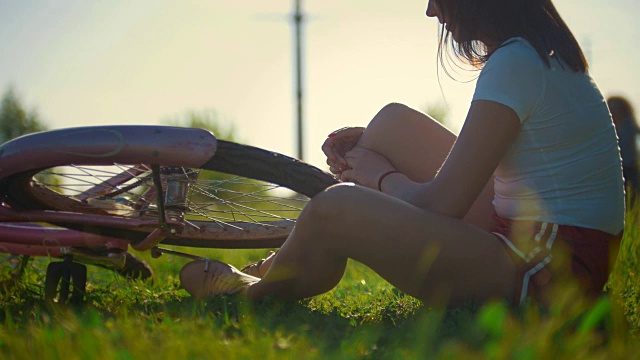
[(111, 260), (65, 278)]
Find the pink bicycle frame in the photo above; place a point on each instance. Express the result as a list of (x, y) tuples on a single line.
[(39, 240)]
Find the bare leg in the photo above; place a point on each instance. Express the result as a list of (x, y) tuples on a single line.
[(417, 145), (432, 257)]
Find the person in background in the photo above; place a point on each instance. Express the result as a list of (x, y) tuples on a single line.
[(627, 131)]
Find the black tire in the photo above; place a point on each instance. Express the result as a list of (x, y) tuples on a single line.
[(255, 163)]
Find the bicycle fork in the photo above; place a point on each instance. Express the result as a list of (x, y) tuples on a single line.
[(172, 186)]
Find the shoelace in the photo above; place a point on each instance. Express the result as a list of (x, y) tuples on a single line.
[(225, 281)]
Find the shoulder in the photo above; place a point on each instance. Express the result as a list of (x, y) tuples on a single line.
[(514, 76), (515, 52)]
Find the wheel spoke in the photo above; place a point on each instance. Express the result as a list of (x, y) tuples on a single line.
[(224, 200)]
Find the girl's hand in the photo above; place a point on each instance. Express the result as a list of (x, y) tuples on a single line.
[(364, 167), (338, 143)]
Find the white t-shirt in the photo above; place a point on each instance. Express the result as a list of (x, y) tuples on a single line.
[(564, 166)]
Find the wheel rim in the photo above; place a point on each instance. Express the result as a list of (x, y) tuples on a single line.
[(229, 203)]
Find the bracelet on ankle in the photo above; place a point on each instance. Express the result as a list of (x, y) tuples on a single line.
[(384, 175)]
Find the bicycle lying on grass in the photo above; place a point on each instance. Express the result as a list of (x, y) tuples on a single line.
[(89, 194)]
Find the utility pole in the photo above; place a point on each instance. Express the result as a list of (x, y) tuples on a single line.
[(298, 19)]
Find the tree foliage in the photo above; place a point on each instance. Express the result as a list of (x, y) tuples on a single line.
[(228, 186), (438, 111), (207, 119), (15, 120)]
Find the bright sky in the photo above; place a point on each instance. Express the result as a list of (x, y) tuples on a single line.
[(138, 62)]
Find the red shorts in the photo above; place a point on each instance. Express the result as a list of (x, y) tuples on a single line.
[(544, 252)]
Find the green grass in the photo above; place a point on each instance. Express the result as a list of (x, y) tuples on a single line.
[(363, 317)]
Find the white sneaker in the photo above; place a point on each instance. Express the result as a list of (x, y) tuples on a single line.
[(207, 278)]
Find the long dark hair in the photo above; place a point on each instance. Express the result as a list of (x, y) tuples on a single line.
[(537, 21)]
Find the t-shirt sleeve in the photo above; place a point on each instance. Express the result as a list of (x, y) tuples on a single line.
[(513, 76)]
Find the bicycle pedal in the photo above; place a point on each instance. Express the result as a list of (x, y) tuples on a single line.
[(65, 278)]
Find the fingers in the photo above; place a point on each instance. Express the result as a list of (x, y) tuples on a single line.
[(355, 153), (337, 168), (334, 158), (354, 131), (329, 149), (336, 132), (339, 142), (346, 175)]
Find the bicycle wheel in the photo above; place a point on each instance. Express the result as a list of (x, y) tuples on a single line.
[(244, 197)]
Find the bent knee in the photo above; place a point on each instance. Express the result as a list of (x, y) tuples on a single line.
[(391, 112), (394, 108), (396, 120), (333, 203)]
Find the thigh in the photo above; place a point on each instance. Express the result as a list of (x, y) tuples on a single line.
[(435, 258), (417, 145)]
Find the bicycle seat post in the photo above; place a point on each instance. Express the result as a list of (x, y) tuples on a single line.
[(171, 197), (155, 168)]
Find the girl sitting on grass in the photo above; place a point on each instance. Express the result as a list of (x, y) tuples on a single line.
[(533, 178)]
